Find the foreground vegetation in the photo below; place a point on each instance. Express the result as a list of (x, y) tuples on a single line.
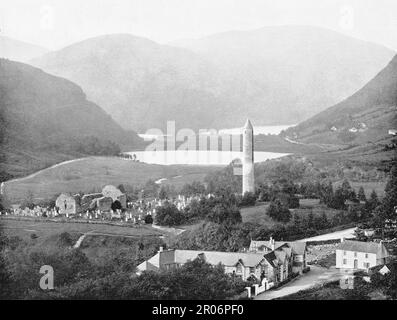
[(108, 275)]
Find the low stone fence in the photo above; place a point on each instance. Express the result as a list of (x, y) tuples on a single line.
[(67, 220), (320, 252)]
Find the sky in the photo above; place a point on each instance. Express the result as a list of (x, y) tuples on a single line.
[(57, 23)]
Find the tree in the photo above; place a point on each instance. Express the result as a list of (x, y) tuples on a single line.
[(387, 209), (347, 191), (361, 194), (373, 201), (116, 205), (28, 202), (278, 211), (248, 199), (163, 193), (169, 215), (387, 282), (223, 213), (326, 192), (196, 188), (338, 200), (5, 277), (148, 219)]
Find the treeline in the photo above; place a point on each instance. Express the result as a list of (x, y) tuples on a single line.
[(86, 145)]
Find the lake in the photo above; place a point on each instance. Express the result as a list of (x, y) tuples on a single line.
[(207, 157), (198, 157), (276, 129)]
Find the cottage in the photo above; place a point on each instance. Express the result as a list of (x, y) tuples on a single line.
[(68, 204), (240, 264), (298, 250), (361, 255)]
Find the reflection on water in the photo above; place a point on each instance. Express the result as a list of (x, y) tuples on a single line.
[(198, 157), (232, 131)]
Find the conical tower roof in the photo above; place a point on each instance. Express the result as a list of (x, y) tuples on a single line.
[(248, 125)]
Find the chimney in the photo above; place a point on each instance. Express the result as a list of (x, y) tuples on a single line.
[(272, 243)]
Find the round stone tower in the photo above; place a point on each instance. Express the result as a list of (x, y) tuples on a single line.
[(248, 158)]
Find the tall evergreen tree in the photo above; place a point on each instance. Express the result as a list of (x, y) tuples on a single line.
[(361, 194)]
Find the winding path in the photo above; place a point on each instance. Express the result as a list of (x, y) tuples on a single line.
[(316, 276), (347, 233), (42, 170)]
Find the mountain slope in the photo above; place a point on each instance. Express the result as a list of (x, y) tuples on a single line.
[(19, 50), (292, 72), (273, 75), (140, 83), (371, 110), (46, 119), (360, 124)]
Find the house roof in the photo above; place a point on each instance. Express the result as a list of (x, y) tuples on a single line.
[(368, 247), (271, 258), (297, 247), (152, 264), (215, 257)]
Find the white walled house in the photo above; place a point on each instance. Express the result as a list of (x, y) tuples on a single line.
[(358, 255)]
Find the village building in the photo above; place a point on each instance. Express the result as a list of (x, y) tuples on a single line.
[(298, 251), (88, 199), (393, 132), (103, 204), (360, 255), (68, 204), (117, 196), (266, 267)]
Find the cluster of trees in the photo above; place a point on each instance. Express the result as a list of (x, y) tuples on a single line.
[(222, 210), (195, 280), (169, 215), (387, 208), (110, 277), (386, 283)]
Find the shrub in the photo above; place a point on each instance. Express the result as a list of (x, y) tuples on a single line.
[(148, 219)]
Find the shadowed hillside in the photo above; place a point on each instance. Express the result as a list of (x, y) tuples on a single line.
[(46, 119), (371, 110), (359, 125)]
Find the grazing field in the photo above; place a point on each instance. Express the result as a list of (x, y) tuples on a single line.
[(258, 214), (91, 174), (25, 228)]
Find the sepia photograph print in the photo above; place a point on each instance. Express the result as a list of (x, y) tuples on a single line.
[(223, 151)]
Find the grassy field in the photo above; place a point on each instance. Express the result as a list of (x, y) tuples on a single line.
[(24, 229), (257, 213), (91, 174)]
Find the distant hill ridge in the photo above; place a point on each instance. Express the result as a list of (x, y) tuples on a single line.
[(275, 75), (19, 50)]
